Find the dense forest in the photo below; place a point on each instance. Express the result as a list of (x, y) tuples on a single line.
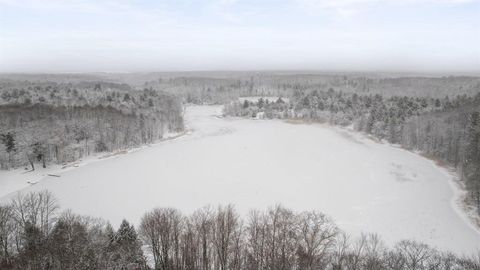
[(444, 129), (217, 88), (34, 234), (49, 122)]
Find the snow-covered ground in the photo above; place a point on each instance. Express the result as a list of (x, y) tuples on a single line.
[(365, 186)]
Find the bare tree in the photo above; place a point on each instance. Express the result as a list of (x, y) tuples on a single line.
[(35, 208), (256, 240), (161, 230), (373, 250), (7, 230), (190, 246), (340, 252), (416, 254), (203, 220), (317, 234), (281, 238), (225, 234)]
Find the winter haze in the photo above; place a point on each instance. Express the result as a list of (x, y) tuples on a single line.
[(166, 35), (239, 135)]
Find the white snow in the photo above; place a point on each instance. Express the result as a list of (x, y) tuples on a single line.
[(365, 186)]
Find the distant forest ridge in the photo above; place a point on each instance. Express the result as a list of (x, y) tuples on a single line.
[(269, 83)]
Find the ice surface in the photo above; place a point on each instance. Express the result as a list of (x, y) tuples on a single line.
[(365, 186)]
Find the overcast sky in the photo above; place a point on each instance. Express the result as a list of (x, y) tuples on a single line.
[(163, 35)]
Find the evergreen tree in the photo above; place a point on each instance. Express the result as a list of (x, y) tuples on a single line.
[(58, 245), (33, 247), (126, 246), (9, 141), (260, 103), (245, 104)]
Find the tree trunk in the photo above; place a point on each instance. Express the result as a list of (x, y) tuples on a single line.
[(31, 164)]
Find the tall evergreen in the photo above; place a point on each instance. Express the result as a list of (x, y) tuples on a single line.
[(9, 141), (126, 246)]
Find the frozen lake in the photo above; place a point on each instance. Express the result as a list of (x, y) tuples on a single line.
[(364, 186)]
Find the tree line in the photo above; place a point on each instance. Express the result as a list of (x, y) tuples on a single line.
[(222, 87), (444, 129), (58, 123), (34, 234)]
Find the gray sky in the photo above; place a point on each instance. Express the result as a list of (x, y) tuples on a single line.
[(175, 35)]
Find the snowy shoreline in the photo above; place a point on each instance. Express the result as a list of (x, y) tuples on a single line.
[(458, 203), (458, 200), (397, 194), (18, 179)]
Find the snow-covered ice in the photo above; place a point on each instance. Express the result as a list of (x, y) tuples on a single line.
[(365, 186)]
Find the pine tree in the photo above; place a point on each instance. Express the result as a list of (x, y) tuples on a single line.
[(126, 234), (9, 141), (245, 104), (261, 102), (126, 245), (39, 150), (33, 248)]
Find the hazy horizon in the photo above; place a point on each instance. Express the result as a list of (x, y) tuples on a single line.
[(214, 73), (85, 36)]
